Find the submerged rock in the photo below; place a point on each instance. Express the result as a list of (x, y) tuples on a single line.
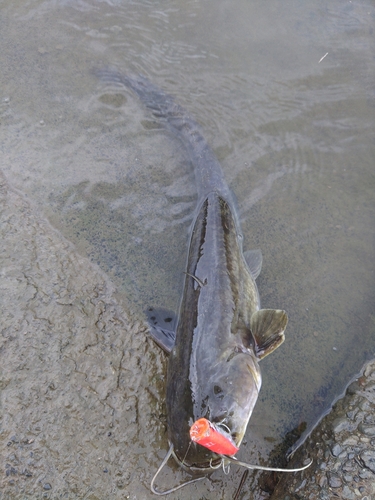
[(342, 448)]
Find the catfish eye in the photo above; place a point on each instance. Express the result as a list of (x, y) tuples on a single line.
[(218, 391)]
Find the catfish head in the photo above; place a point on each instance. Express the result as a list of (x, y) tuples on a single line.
[(223, 388), (227, 397)]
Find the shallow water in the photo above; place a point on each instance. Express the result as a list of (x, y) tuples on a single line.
[(292, 130)]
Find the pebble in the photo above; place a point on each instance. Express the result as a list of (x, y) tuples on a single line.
[(302, 485), (322, 481), (368, 458), (364, 439), (365, 405), (336, 449), (348, 466), (334, 481), (365, 474), (339, 425), (345, 439), (347, 494), (350, 441), (352, 413), (353, 388), (324, 496), (368, 430)]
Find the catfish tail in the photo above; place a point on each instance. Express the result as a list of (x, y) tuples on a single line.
[(208, 172)]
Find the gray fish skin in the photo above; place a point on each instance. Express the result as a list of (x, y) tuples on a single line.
[(221, 334), (213, 371)]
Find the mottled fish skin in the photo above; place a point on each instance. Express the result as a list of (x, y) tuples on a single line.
[(213, 369)]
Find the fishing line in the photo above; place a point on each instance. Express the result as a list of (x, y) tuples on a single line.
[(187, 451), (216, 466), (261, 467), (226, 470), (166, 492)]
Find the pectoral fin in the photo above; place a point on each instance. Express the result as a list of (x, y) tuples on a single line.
[(254, 261), (162, 325), (267, 327)]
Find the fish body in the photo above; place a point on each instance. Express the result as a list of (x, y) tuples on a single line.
[(221, 333), (213, 370)]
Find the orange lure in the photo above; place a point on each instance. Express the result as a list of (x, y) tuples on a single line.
[(208, 435)]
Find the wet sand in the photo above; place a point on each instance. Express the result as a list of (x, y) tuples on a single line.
[(75, 383)]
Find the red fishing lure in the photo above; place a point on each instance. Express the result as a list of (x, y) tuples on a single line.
[(208, 435)]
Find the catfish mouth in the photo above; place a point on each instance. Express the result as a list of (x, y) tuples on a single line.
[(217, 442), (201, 468)]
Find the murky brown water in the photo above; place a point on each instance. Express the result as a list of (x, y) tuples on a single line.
[(295, 139)]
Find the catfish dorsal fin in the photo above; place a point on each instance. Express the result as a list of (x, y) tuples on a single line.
[(267, 327), (254, 261)]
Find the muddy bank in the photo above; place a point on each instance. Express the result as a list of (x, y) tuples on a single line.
[(76, 389), (342, 448)]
